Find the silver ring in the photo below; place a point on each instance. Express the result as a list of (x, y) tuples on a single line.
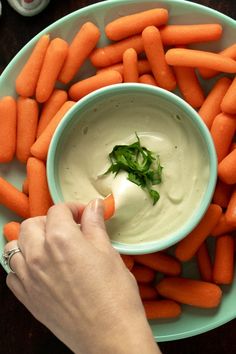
[(8, 255)]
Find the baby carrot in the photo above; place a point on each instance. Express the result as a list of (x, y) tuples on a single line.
[(143, 274), (52, 64), (232, 146), (154, 50), (211, 106), (161, 309), (25, 186), (199, 58), (27, 79), (7, 129), (147, 292), (11, 230), (40, 148), (129, 25), (27, 122), (222, 227), (143, 67), (228, 103), (128, 260), (189, 86), (187, 247), (161, 262), (223, 270), (147, 79), (227, 168), (13, 199), (222, 132), (230, 214), (39, 197), (50, 108), (190, 292), (112, 53), (229, 52), (130, 65), (186, 34), (109, 206), (222, 194), (204, 263), (81, 46), (92, 83)]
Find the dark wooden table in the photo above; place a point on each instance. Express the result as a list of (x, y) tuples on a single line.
[(20, 333)]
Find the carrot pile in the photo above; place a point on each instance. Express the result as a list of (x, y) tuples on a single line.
[(143, 48)]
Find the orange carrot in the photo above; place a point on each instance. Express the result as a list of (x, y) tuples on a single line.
[(147, 292), (112, 53), (109, 206), (40, 148), (39, 197), (11, 230), (52, 64), (80, 48), (13, 199), (222, 194), (27, 122), (143, 67), (228, 103), (7, 129), (25, 187), (199, 58), (227, 168), (190, 292), (232, 147), (187, 247), (147, 79), (161, 262), (211, 105), (153, 47), (204, 263), (223, 270), (189, 86), (27, 79), (50, 108), (186, 34), (222, 132), (92, 83), (222, 227), (143, 274), (161, 309), (230, 214), (129, 25), (128, 260), (229, 52), (130, 65)]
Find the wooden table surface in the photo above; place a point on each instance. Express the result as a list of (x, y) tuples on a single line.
[(20, 333)]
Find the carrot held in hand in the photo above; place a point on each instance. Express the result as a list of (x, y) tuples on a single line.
[(161, 262), (161, 309), (50, 108), (109, 206), (52, 64), (204, 263), (27, 79), (154, 50), (227, 168), (7, 129), (39, 197), (230, 214), (199, 58), (40, 148), (130, 65), (143, 274), (222, 194), (13, 199), (11, 231), (27, 122), (223, 271), (92, 83), (147, 79), (81, 46), (187, 247), (228, 103)]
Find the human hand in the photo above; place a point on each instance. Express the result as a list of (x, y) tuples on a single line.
[(73, 281)]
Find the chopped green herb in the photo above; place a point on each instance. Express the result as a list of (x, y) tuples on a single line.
[(141, 164)]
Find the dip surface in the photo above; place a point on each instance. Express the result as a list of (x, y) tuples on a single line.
[(161, 129)]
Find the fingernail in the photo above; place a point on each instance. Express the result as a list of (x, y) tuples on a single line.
[(97, 205)]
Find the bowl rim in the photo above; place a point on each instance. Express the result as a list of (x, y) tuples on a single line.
[(132, 88)]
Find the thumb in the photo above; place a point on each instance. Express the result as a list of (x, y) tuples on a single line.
[(93, 225)]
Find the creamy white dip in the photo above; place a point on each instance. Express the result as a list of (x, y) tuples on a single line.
[(164, 131)]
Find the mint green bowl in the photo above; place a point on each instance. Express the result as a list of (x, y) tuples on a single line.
[(193, 321)]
